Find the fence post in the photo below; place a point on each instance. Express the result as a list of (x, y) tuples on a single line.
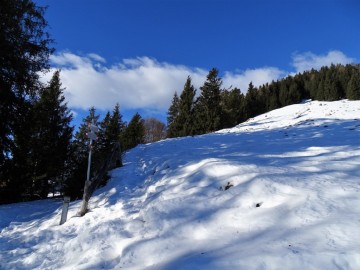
[(65, 210)]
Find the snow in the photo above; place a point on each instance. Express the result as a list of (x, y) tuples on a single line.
[(294, 204)]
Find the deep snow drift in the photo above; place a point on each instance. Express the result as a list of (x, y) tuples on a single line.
[(294, 204)]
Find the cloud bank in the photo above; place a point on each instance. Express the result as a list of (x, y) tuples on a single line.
[(134, 83), (309, 60), (144, 83)]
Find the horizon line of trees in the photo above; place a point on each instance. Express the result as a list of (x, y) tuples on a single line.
[(217, 108)]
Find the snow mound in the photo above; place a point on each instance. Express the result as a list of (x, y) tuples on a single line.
[(309, 112), (281, 191)]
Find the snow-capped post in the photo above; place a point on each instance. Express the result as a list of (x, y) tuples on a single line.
[(93, 129), (65, 210)]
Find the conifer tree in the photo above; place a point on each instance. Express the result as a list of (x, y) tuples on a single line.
[(184, 120), (52, 137), (331, 85), (173, 112), (284, 92), (294, 93), (134, 133), (25, 49), (112, 126), (19, 184), (251, 106), (273, 96), (207, 107), (232, 105), (353, 87), (103, 141), (116, 125), (111, 129)]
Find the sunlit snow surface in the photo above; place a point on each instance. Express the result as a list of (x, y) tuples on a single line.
[(167, 207)]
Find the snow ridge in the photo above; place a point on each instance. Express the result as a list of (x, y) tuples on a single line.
[(294, 202)]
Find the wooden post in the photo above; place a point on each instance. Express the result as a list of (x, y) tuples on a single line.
[(65, 210)]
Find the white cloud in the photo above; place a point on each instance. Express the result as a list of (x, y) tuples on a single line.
[(97, 57), (256, 76), (309, 60), (134, 83), (69, 60), (144, 83)]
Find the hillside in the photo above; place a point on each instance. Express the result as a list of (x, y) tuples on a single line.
[(294, 202)]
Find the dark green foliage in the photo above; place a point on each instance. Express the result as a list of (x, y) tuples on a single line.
[(216, 108), (252, 106), (24, 51), (112, 126), (103, 140), (207, 107), (134, 133), (115, 127), (329, 83), (294, 93), (18, 182), (79, 159), (289, 92), (331, 86), (111, 129), (173, 112), (186, 110), (51, 138), (272, 93), (181, 112), (232, 106), (109, 134), (353, 87), (42, 150)]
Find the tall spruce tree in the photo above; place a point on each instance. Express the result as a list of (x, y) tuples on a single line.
[(52, 138), (112, 126), (207, 107), (116, 125), (173, 113), (251, 105), (103, 141), (111, 129), (185, 118), (25, 49)]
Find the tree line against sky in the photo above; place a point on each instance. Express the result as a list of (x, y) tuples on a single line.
[(216, 108)]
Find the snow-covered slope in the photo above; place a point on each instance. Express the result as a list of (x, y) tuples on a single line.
[(294, 202)]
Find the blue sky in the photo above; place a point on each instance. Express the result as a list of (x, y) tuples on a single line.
[(138, 53)]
